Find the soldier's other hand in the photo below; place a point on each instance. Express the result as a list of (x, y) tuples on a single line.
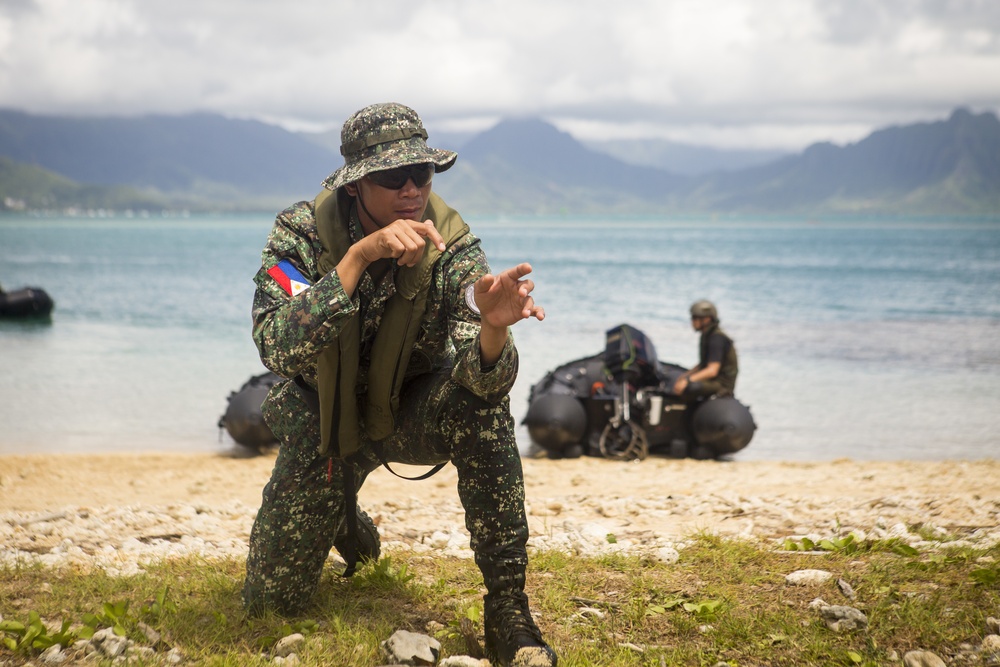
[(403, 240)]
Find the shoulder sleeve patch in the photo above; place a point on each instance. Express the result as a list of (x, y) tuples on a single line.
[(470, 298), (286, 275)]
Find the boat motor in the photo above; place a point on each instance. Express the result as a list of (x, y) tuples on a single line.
[(630, 356)]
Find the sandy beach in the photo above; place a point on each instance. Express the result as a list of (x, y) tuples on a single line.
[(77, 507)]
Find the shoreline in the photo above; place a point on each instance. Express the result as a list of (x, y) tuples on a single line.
[(119, 510), (43, 481)]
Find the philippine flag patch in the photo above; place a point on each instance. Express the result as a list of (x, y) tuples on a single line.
[(288, 277)]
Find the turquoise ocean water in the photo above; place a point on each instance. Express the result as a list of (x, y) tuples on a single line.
[(869, 341)]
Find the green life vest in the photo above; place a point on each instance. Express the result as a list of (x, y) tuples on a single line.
[(337, 370)]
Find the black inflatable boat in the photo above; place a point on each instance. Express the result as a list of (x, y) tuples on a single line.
[(618, 404), (243, 419), (27, 302)]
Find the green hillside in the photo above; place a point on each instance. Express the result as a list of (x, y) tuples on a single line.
[(944, 168), (28, 187)]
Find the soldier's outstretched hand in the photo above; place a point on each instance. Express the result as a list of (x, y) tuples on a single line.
[(505, 298)]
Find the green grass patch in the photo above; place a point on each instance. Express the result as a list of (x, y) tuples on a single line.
[(724, 601)]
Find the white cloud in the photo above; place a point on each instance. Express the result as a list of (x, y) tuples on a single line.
[(732, 72)]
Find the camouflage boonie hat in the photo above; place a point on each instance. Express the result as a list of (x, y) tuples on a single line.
[(384, 136)]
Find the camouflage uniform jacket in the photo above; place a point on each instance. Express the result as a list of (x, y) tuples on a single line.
[(291, 331)]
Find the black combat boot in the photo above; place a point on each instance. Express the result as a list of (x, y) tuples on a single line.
[(369, 546), (512, 638)]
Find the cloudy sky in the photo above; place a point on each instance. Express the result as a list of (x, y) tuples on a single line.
[(732, 73)]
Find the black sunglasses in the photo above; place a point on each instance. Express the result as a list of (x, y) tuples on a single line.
[(395, 179)]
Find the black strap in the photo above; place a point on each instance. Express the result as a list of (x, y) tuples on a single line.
[(351, 517), (395, 134), (377, 446)]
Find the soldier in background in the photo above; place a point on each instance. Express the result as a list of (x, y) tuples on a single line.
[(376, 301), (715, 374)]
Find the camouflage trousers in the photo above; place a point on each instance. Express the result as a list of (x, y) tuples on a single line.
[(438, 421)]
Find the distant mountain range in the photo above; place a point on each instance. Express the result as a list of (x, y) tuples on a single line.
[(201, 161), (518, 167)]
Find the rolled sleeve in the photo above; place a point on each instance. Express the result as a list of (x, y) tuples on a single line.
[(490, 383)]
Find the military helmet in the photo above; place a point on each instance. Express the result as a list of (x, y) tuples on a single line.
[(704, 308), (384, 136)]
